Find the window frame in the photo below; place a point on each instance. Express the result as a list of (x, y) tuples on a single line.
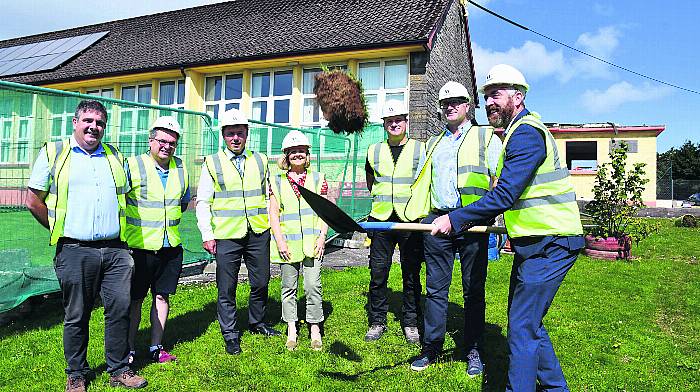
[(569, 160), (271, 98), (214, 108), (136, 133), (382, 92)]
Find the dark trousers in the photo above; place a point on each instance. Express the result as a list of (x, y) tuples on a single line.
[(380, 254), (439, 261), (533, 284), (85, 270), (254, 249)]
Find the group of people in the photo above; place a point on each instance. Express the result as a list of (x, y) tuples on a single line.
[(466, 176), (115, 226)]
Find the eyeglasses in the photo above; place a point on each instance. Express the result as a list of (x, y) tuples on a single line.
[(165, 143), (453, 103), (297, 150)]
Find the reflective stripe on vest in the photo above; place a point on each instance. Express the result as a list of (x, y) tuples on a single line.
[(472, 171), (151, 210), (392, 182), (58, 155), (238, 203), (299, 223), (548, 204)]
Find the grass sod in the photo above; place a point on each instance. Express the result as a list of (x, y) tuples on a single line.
[(616, 326)]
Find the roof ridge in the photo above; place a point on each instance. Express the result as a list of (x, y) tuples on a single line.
[(78, 28)]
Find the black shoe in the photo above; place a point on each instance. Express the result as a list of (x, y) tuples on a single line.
[(263, 329), (424, 360), (233, 346)]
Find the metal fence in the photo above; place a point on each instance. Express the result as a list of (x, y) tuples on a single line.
[(669, 188), (29, 116)]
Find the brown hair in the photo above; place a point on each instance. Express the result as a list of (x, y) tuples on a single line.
[(340, 97)]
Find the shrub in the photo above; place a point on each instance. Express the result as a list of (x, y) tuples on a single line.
[(687, 220), (617, 198)]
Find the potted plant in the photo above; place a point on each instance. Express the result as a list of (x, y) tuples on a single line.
[(617, 198)]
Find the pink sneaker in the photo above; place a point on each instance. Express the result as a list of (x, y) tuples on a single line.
[(162, 356)]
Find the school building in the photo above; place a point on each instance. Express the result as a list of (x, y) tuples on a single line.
[(261, 57)]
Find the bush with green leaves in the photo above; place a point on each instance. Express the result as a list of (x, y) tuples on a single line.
[(618, 197)]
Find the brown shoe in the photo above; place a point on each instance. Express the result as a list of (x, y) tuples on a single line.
[(127, 379), (75, 384)]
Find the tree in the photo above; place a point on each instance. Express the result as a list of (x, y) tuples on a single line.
[(685, 161)]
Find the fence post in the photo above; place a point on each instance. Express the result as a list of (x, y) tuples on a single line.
[(671, 182), (354, 174)]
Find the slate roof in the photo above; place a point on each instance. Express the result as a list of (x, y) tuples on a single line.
[(239, 30)]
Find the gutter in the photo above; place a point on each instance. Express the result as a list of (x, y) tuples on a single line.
[(171, 67)]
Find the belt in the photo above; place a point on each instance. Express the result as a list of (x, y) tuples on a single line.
[(113, 243), (440, 212)]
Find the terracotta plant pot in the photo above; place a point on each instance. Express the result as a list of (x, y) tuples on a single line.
[(611, 248)]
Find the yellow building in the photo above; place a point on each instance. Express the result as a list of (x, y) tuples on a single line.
[(584, 147), (258, 56)]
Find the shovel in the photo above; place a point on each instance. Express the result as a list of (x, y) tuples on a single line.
[(341, 222)]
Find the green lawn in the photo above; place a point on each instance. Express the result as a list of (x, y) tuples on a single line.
[(616, 326)]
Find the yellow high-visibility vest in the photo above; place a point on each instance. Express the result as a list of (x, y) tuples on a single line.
[(151, 210), (300, 224), (238, 201), (548, 204), (392, 182), (58, 154), (472, 171)]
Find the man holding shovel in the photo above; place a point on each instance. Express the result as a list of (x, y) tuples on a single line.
[(460, 163), (539, 206)]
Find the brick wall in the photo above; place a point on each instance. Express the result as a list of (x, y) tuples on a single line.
[(448, 60)]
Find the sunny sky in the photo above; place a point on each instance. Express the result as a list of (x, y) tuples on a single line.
[(655, 38)]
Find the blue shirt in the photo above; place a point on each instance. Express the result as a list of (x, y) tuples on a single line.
[(444, 193), (163, 174), (524, 154), (92, 211)]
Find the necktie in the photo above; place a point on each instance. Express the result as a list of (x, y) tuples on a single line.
[(238, 161)]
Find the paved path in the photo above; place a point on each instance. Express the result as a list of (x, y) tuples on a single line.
[(335, 258)]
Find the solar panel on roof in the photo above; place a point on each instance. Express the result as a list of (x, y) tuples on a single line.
[(45, 55)]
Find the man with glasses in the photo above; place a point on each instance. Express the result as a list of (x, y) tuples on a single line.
[(391, 167), (539, 206), (159, 195), (460, 163)]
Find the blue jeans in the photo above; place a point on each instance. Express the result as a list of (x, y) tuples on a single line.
[(439, 261), (534, 282)]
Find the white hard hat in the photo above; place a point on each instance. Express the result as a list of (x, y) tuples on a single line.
[(453, 89), (294, 139), (167, 122), (232, 117), (504, 74), (394, 108)]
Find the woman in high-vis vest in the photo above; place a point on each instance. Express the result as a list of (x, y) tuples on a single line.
[(298, 236)]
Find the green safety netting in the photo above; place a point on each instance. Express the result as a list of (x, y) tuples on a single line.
[(29, 116)]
